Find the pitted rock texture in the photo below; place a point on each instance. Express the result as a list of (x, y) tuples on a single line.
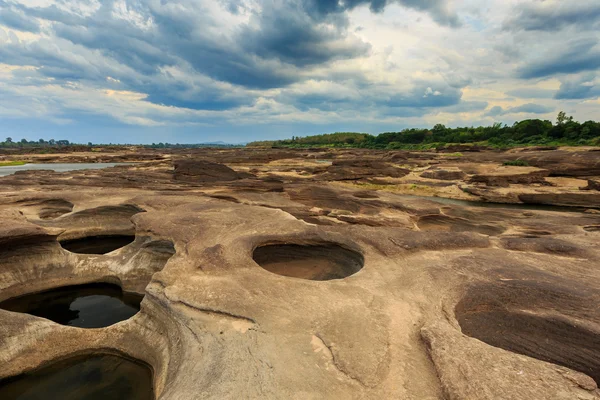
[(389, 295)]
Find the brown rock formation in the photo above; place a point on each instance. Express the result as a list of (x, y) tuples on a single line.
[(504, 176), (342, 170), (593, 184), (282, 285), (203, 171), (447, 174)]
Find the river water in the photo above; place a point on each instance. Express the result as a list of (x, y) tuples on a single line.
[(4, 171), (95, 305)]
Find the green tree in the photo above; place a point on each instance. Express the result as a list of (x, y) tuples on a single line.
[(439, 128), (563, 118)]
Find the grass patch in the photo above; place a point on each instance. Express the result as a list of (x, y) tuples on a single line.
[(11, 163), (400, 188), (452, 155), (516, 163)]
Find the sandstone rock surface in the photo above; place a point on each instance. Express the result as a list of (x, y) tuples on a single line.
[(277, 285), (203, 171), (593, 184), (504, 176), (447, 174), (360, 169)]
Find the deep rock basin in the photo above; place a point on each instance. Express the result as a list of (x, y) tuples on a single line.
[(500, 318), (314, 262), (89, 377), (93, 305), (97, 244)]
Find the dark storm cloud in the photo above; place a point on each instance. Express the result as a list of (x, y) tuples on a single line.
[(540, 17), (265, 55), (385, 100), (322, 102), (50, 13), (570, 92), (61, 59), (15, 19), (467, 106), (580, 87), (169, 90), (495, 111), (580, 55), (214, 102), (278, 46), (425, 95), (406, 112), (531, 93), (436, 8), (295, 39), (529, 108)]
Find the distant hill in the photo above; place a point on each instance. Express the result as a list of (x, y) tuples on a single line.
[(193, 146), (221, 143)]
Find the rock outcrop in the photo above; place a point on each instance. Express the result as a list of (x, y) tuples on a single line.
[(444, 174), (593, 184), (504, 176), (203, 171), (342, 170)]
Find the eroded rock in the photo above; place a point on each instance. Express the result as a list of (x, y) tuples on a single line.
[(402, 297), (359, 169), (593, 184), (504, 176), (203, 171), (444, 174)]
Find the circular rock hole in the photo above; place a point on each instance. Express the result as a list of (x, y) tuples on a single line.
[(483, 315), (90, 377), (97, 244), (94, 305), (315, 262)]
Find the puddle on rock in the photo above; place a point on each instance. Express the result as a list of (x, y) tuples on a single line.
[(90, 377), (95, 305)]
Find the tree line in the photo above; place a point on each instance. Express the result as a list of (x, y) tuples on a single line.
[(9, 142), (24, 143), (187, 146), (530, 132)]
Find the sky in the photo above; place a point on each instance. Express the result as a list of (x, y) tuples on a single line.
[(192, 71)]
